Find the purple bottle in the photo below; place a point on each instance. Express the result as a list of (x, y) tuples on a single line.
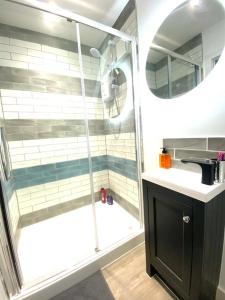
[(110, 199)]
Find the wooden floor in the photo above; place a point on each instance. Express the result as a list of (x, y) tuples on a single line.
[(127, 279)]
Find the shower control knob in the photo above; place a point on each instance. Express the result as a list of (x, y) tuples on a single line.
[(186, 219)]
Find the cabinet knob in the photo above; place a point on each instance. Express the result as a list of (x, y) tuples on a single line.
[(186, 219)]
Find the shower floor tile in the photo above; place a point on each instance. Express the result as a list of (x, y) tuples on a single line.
[(51, 246)]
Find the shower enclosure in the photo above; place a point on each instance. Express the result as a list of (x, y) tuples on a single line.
[(170, 74), (70, 127)]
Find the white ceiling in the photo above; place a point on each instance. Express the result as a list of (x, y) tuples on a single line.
[(186, 22), (105, 12)]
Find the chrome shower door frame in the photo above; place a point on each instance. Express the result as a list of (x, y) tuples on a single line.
[(83, 92)]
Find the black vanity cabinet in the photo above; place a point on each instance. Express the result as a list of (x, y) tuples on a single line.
[(184, 241)]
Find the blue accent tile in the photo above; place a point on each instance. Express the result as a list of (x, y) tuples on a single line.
[(8, 188), (125, 167), (26, 177)]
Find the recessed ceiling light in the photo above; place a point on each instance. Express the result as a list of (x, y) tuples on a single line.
[(53, 4), (195, 3)]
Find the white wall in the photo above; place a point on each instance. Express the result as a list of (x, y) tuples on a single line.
[(199, 113), (213, 47)]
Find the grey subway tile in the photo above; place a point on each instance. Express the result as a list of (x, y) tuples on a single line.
[(55, 210), (217, 143), (189, 143), (34, 129), (179, 154), (41, 38), (20, 79)]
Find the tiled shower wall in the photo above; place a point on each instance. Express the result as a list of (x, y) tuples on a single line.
[(120, 138), (193, 148), (44, 121)]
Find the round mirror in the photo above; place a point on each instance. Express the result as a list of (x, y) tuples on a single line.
[(186, 48), (114, 92)]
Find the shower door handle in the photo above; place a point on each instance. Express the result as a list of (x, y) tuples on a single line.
[(4, 152)]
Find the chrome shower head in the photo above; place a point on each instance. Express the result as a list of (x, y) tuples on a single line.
[(95, 53)]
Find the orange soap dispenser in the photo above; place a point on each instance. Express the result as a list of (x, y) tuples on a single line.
[(164, 159)]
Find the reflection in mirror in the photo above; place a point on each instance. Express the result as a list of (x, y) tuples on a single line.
[(186, 48)]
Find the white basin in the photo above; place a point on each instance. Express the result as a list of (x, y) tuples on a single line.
[(184, 182)]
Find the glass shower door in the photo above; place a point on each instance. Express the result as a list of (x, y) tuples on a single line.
[(44, 116), (108, 87)]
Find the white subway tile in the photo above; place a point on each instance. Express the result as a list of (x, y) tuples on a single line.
[(4, 47), (37, 155), (54, 159), (25, 44), (54, 50), (16, 158), (22, 192), (25, 198), (31, 203), (49, 56), (11, 115), (36, 53), (15, 144), (47, 109), (15, 93), (27, 210), (17, 108), (26, 101), (13, 64), (26, 150), (26, 115), (26, 58), (51, 67), (4, 40), (65, 59), (4, 55), (43, 196), (43, 193), (20, 50), (29, 143), (26, 164), (8, 100)]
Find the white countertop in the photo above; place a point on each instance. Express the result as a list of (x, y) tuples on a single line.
[(184, 182)]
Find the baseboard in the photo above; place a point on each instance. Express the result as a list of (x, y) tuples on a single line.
[(64, 281), (220, 294)]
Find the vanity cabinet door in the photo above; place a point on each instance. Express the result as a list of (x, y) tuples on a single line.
[(170, 221)]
